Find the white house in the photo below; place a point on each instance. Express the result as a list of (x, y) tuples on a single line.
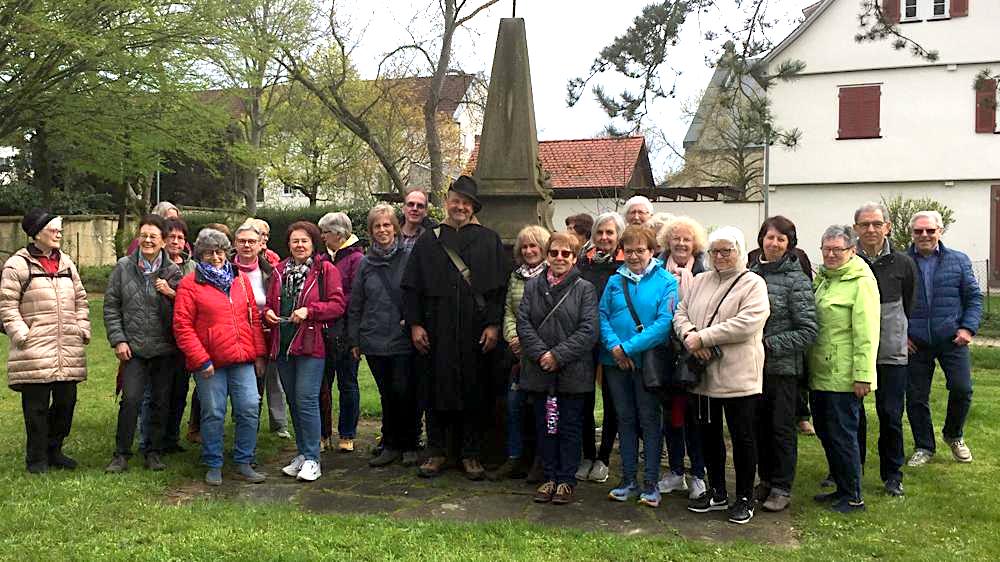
[(877, 121)]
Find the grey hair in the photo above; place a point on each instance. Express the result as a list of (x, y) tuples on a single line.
[(638, 200), (605, 217), (420, 190), (933, 215), (338, 223), (210, 239), (248, 226), (162, 207), (841, 231), (872, 206)]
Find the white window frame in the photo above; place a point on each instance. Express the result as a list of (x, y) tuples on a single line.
[(287, 191), (945, 5), (908, 4)]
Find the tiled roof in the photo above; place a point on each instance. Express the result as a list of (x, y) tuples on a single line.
[(595, 163)]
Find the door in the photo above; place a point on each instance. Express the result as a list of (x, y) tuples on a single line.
[(994, 234)]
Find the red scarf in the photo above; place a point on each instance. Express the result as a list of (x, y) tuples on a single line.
[(247, 268)]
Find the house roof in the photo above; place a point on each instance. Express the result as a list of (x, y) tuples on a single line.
[(812, 13), (588, 163), (705, 105)]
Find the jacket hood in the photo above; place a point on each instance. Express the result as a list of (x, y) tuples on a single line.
[(853, 269), (654, 264), (789, 262)]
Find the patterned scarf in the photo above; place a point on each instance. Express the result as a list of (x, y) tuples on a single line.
[(220, 278), (601, 257), (386, 252), (527, 272), (554, 280), (294, 278)]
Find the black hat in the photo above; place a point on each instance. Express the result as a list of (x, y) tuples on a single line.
[(466, 186), (35, 220)]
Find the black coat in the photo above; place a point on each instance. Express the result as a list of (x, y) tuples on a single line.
[(456, 373), (570, 334), (375, 323), (792, 326), (135, 312)]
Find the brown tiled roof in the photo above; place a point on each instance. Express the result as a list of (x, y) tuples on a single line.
[(602, 163)]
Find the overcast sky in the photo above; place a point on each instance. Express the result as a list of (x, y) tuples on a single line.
[(564, 37)]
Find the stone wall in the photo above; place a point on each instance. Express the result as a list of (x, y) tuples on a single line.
[(88, 239)]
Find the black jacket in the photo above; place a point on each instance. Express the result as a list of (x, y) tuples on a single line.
[(570, 334), (375, 310), (896, 275), (792, 326), (135, 312)]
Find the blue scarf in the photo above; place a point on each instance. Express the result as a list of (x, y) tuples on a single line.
[(220, 278), (627, 273)]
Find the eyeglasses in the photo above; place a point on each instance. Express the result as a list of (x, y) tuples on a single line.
[(246, 242), (566, 254), (216, 252), (722, 252), (834, 251), (873, 224), (415, 205), (924, 231), (635, 251), (150, 237)]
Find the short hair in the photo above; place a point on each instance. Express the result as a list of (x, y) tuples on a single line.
[(844, 231), (262, 226), (338, 223), (697, 232), (177, 224), (211, 239), (311, 229), (782, 225), (383, 209), (732, 235), (162, 207), (153, 220), (605, 217), (873, 206), (248, 226), (420, 190), (583, 223), (933, 215), (534, 233), (638, 200), (564, 238), (639, 234), (221, 228)]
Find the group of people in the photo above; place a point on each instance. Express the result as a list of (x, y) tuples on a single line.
[(679, 328)]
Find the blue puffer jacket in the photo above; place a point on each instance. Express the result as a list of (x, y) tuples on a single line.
[(956, 299), (654, 299)]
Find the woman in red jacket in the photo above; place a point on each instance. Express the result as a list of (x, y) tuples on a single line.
[(218, 329), (303, 296)]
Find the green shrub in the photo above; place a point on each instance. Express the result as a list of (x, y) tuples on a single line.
[(900, 211), (95, 277)]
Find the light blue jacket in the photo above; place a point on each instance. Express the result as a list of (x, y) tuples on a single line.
[(654, 298)]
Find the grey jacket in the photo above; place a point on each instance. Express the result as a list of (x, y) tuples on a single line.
[(792, 326), (135, 312), (375, 322), (570, 334)]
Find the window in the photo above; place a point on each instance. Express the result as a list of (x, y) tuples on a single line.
[(939, 8), (986, 107), (910, 10), (859, 112), (260, 193), (287, 190)]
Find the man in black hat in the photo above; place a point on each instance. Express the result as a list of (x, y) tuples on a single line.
[(453, 293)]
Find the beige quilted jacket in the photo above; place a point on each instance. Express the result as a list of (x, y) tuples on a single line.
[(49, 327)]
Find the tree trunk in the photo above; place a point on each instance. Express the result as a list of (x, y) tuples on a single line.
[(42, 173), (433, 136)]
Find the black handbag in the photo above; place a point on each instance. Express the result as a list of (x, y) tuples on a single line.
[(688, 370), (656, 362)]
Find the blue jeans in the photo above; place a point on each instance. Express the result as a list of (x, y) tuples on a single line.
[(302, 377), (889, 396), (683, 440), (636, 407), (344, 369), (835, 416), (957, 367), (560, 452), (239, 384), (515, 442)]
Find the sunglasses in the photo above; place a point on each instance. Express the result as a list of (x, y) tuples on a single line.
[(565, 254), (413, 205), (924, 231)]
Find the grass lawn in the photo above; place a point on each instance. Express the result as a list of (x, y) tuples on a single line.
[(949, 512)]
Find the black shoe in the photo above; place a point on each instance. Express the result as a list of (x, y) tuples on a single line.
[(829, 497), (118, 464), (385, 458), (153, 462), (708, 501), (762, 491), (172, 449), (844, 505), (894, 488), (60, 461), (827, 482), (742, 511), (410, 458), (40, 467), (511, 468)]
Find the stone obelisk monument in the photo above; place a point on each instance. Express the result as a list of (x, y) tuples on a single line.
[(511, 182)]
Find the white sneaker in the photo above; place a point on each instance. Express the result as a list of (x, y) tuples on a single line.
[(672, 482), (920, 457), (599, 472), (294, 467), (310, 471), (584, 471), (697, 488)]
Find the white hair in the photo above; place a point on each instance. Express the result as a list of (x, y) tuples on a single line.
[(638, 200), (933, 215), (842, 231), (338, 223), (732, 235), (605, 217), (872, 206), (55, 223)]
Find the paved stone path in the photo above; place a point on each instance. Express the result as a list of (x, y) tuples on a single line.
[(349, 486)]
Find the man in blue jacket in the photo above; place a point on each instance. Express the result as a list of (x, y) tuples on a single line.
[(946, 314)]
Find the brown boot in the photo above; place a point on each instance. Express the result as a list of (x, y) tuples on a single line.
[(473, 469), (432, 467)]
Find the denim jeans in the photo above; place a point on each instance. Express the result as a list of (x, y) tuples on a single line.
[(238, 383), (683, 440), (777, 431), (344, 369), (397, 389), (889, 396), (302, 377), (560, 452), (138, 373), (835, 416), (957, 367), (636, 407), (609, 427), (270, 384)]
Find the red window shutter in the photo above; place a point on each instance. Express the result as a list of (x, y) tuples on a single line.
[(860, 112), (959, 8), (890, 11), (986, 107)]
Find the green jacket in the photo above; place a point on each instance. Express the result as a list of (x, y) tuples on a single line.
[(515, 292), (848, 311)]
